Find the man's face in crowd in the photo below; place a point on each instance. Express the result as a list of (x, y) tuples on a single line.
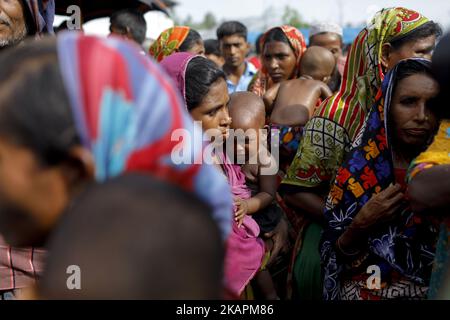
[(330, 41), (234, 50), (12, 22)]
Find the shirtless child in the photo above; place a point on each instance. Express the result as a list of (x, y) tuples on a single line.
[(297, 99)]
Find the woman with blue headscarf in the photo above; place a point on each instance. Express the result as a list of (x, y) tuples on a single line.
[(373, 246)]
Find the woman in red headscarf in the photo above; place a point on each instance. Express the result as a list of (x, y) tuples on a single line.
[(283, 48)]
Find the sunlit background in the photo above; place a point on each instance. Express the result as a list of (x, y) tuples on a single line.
[(258, 15)]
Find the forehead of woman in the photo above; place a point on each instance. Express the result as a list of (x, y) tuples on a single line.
[(205, 84), (410, 75), (420, 85), (275, 47), (216, 95), (276, 35)]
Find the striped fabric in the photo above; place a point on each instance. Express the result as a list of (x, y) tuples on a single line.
[(337, 122), (363, 71)]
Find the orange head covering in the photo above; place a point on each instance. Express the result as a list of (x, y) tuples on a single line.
[(168, 42)]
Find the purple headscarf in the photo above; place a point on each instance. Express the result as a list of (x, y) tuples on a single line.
[(175, 65)]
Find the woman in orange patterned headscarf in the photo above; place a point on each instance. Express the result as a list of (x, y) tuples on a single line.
[(283, 48), (177, 39)]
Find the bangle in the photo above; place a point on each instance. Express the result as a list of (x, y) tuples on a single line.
[(351, 254)]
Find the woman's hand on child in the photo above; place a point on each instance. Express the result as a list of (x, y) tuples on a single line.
[(242, 210)]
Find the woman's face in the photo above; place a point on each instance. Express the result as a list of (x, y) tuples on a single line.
[(279, 61), (413, 121), (213, 110)]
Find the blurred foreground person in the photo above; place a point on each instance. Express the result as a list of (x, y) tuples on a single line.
[(129, 245), (87, 127), (19, 19)]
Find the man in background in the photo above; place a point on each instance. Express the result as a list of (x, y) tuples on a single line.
[(20, 19), (329, 35), (130, 24), (232, 36)]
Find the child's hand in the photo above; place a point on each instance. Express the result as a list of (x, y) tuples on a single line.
[(242, 209)]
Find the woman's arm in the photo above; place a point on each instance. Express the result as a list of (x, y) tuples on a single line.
[(429, 190)]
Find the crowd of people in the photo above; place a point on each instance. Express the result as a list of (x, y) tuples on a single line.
[(338, 190)]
